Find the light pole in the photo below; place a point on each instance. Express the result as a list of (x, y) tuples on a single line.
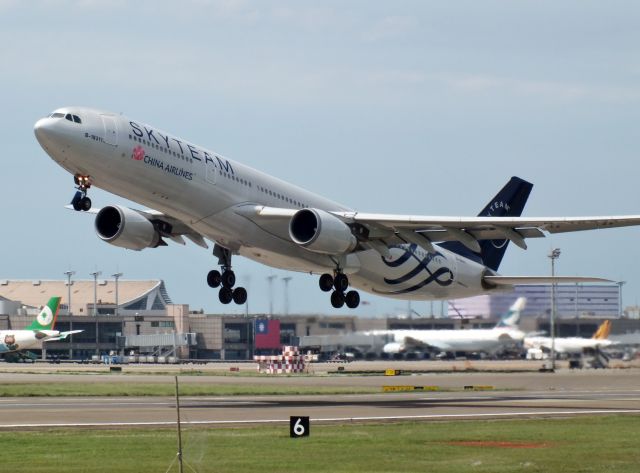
[(270, 278), (286, 280), (95, 275), (620, 311), (554, 255), (116, 276), (69, 274)]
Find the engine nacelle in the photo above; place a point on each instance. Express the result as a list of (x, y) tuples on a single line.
[(393, 348), (321, 232), (124, 227)]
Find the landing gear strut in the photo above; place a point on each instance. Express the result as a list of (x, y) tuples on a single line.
[(226, 280), (339, 283), (80, 201)]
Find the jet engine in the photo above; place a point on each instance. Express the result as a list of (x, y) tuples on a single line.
[(321, 232), (127, 228), (393, 348)]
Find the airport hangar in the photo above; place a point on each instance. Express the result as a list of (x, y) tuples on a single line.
[(140, 317)]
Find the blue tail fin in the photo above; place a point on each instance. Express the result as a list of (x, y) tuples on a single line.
[(509, 202)]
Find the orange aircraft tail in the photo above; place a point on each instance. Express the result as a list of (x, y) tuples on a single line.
[(603, 331)]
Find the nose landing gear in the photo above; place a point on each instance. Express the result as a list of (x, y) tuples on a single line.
[(81, 202), (226, 280), (339, 283)]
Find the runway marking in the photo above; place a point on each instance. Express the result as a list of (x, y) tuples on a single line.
[(326, 419)]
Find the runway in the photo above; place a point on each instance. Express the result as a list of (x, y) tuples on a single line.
[(516, 395)]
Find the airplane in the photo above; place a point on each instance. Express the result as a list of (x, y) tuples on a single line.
[(40, 330), (572, 345), (194, 193), (505, 334)]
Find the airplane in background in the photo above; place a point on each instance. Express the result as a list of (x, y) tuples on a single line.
[(194, 193), (504, 335), (572, 345), (40, 330)]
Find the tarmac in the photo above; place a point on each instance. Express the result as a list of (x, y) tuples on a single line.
[(506, 390)]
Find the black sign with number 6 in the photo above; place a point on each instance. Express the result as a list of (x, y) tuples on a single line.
[(299, 427)]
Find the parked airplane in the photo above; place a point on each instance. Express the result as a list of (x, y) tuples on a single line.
[(40, 330), (573, 345), (198, 194), (492, 340)]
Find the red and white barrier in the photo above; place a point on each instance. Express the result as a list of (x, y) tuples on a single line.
[(290, 361)]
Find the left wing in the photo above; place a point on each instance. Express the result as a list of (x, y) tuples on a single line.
[(168, 226)]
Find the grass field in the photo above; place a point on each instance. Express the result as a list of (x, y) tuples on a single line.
[(167, 389), (593, 444)]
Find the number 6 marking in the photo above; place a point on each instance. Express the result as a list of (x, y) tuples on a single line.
[(298, 428)]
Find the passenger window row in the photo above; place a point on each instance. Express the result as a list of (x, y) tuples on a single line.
[(160, 148), (282, 197), (239, 180), (224, 174)]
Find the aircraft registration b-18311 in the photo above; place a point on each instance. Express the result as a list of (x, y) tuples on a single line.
[(191, 192)]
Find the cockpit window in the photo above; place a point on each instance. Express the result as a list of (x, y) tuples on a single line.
[(57, 115), (68, 116)]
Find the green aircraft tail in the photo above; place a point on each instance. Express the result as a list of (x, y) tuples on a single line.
[(46, 319)]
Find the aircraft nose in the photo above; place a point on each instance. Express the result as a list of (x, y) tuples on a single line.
[(47, 133), (42, 129)]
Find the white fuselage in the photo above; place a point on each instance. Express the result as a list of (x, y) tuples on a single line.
[(471, 340), (16, 340), (203, 189), (572, 345)]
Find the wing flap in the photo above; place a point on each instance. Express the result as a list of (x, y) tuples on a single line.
[(512, 280)]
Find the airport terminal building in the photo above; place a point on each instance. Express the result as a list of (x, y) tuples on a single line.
[(572, 301), (145, 320)]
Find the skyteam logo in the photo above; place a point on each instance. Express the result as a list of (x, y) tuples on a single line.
[(45, 317), (498, 209), (138, 153), (441, 276)]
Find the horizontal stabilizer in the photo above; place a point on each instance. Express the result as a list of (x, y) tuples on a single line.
[(63, 335), (511, 280)]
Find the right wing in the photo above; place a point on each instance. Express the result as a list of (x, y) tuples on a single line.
[(379, 231)]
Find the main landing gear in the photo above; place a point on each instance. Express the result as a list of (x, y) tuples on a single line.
[(339, 283), (226, 280), (80, 201)]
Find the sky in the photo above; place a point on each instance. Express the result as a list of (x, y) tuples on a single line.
[(409, 107)]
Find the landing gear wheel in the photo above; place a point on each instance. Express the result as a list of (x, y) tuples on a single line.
[(228, 278), (214, 278), (326, 282), (341, 282), (225, 295), (337, 299), (76, 205), (239, 295), (352, 299), (85, 204)]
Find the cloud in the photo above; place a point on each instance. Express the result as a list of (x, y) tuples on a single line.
[(562, 91), (390, 27)]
